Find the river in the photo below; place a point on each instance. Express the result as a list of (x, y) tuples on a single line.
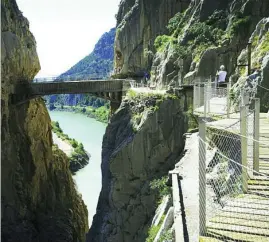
[(90, 133)]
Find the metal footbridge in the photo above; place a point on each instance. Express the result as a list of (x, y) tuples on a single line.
[(111, 90)]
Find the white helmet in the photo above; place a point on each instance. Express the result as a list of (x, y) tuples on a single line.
[(222, 67)]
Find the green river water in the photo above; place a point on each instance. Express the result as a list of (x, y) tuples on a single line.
[(90, 133)]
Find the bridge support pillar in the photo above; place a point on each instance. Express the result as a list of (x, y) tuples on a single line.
[(114, 105)]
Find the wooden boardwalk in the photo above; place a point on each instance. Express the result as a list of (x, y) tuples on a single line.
[(246, 217)]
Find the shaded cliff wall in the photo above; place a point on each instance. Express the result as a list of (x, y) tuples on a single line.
[(141, 143), (138, 24), (38, 196)]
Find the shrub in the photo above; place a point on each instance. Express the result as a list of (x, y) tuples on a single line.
[(161, 186), (175, 23), (131, 93), (74, 143), (153, 231), (162, 41)]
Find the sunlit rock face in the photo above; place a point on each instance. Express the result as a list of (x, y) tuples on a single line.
[(38, 197), (205, 36), (138, 24)]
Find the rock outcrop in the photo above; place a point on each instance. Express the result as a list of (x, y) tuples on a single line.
[(38, 198), (141, 143), (139, 22)]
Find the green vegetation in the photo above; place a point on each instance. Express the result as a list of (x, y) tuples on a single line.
[(160, 185), (97, 65), (79, 157), (167, 236), (162, 41), (264, 48), (240, 24), (175, 23), (192, 119), (100, 114), (153, 231), (143, 102), (91, 106), (197, 38)]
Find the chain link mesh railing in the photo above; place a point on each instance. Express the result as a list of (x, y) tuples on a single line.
[(210, 99), (234, 195)]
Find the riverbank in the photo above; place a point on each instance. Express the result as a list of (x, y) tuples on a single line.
[(78, 156), (62, 145), (100, 114), (90, 133)]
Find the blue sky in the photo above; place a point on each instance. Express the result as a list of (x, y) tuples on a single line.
[(67, 30)]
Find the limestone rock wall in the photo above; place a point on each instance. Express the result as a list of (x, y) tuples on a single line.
[(138, 24), (139, 145), (210, 33), (38, 197)]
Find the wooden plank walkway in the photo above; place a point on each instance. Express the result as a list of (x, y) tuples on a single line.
[(246, 217)]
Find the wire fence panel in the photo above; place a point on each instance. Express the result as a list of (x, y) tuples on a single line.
[(211, 100), (236, 198)]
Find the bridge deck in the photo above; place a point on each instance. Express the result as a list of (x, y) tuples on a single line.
[(48, 88)]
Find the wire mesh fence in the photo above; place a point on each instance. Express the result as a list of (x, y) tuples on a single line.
[(234, 195), (210, 99)]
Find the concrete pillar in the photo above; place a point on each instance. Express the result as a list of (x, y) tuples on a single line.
[(114, 105)]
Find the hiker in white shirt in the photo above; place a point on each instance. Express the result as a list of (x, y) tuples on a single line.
[(221, 75)]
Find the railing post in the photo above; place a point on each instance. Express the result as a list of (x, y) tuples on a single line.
[(228, 99), (202, 177), (205, 99), (199, 95), (256, 135), (194, 97), (244, 142), (209, 87)]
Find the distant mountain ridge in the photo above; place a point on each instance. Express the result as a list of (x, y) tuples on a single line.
[(97, 65)]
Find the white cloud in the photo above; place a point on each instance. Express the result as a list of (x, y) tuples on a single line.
[(67, 30)]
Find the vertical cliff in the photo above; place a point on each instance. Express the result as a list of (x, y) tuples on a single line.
[(139, 22), (38, 196), (141, 143)]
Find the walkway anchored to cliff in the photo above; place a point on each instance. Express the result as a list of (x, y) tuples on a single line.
[(230, 172)]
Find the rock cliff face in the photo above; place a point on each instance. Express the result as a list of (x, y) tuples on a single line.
[(38, 198), (186, 41), (141, 143), (208, 34), (139, 22)]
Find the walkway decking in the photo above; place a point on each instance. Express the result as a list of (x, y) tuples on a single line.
[(246, 217)]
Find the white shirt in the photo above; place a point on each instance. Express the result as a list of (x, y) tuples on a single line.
[(222, 76)]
